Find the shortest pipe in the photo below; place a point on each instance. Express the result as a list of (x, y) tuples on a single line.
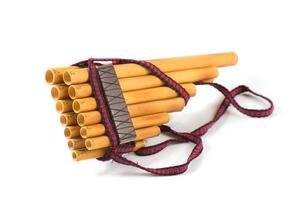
[(104, 141), (98, 153)]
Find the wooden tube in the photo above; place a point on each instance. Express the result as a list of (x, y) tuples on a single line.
[(76, 76), (153, 94), (76, 143), (59, 92), (68, 119), (72, 131), (55, 75), (97, 153), (143, 82), (103, 141), (138, 96), (80, 91), (137, 122), (135, 110), (92, 130), (84, 104), (63, 106), (166, 65), (88, 118)]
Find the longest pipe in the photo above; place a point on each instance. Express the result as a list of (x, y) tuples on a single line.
[(75, 76)]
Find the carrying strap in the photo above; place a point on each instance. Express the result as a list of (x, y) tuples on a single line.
[(117, 150)]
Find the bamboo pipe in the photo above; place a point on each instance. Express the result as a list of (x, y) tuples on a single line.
[(59, 92), (104, 141), (68, 119), (55, 75), (80, 91), (151, 81), (88, 118), (165, 65), (85, 90), (135, 110), (98, 153), (76, 143), (138, 96), (137, 122), (72, 131), (63, 106)]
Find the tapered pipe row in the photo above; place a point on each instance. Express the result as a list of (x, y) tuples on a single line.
[(146, 127), (148, 99)]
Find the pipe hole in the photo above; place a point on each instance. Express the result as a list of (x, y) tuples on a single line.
[(49, 77), (83, 132), (80, 120), (55, 93), (67, 132), (76, 106), (67, 77), (71, 144), (59, 107), (72, 92), (88, 144), (74, 156)]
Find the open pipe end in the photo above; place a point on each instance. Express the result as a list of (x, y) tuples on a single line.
[(67, 132), (75, 156), (83, 132), (59, 107), (55, 93), (71, 144), (88, 144), (72, 92), (63, 120), (67, 78), (49, 76), (80, 120), (76, 106)]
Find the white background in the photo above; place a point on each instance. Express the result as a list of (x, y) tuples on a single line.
[(243, 158)]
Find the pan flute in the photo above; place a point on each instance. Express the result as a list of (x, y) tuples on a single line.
[(138, 101)]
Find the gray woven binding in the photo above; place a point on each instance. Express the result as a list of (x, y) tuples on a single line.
[(116, 103)]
